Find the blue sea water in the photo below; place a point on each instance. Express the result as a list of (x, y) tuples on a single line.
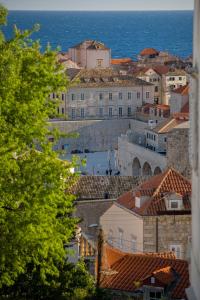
[(126, 33)]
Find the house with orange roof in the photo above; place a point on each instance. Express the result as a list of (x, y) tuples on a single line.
[(143, 276), (179, 100), (153, 217)]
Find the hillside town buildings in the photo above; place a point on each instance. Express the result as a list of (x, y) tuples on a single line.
[(140, 109)]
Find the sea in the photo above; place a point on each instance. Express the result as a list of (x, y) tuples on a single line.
[(126, 32)]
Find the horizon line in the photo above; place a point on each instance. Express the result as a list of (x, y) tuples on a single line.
[(106, 10)]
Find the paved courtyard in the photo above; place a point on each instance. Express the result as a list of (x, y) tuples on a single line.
[(97, 163)]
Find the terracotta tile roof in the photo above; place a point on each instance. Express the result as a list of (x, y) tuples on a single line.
[(186, 108), (95, 187), (119, 61), (91, 44), (181, 116), (154, 190), (183, 90), (164, 275), (131, 268), (149, 51), (105, 78), (169, 124)]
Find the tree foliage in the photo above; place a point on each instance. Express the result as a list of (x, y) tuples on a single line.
[(35, 202)]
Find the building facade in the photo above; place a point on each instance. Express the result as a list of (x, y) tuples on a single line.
[(104, 94), (90, 54), (154, 217)]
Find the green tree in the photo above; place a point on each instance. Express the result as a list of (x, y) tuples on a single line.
[(35, 202)]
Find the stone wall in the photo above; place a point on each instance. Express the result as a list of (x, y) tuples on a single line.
[(172, 230), (94, 135), (128, 152), (178, 151)]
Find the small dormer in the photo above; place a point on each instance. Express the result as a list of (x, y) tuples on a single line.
[(140, 200), (174, 201)]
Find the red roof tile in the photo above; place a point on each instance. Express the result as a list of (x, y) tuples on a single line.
[(149, 51), (155, 188), (182, 90), (132, 268), (119, 61), (185, 108)]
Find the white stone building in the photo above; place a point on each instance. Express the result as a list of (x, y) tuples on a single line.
[(90, 54), (104, 94), (164, 79)]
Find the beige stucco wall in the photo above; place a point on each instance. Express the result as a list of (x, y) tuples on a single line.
[(92, 101), (117, 218), (93, 55)]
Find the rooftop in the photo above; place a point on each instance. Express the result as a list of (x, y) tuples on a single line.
[(149, 51), (91, 44), (119, 61), (126, 269), (167, 125), (155, 189), (182, 90), (95, 187), (106, 78)]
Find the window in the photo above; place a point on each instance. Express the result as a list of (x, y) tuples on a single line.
[(165, 139), (100, 96), (58, 110), (73, 113), (120, 96), (82, 112), (110, 96), (73, 97), (176, 249), (101, 111), (82, 96), (129, 96), (180, 78), (120, 112), (155, 295), (156, 89), (110, 112), (99, 63), (147, 95), (138, 95), (174, 204), (63, 97), (63, 111), (129, 111), (120, 238), (153, 281), (134, 244)]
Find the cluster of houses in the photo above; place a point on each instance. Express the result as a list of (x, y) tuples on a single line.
[(135, 228)]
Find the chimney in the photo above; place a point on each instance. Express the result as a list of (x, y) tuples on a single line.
[(140, 200)]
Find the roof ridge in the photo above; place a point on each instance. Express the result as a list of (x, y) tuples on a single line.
[(164, 178)]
